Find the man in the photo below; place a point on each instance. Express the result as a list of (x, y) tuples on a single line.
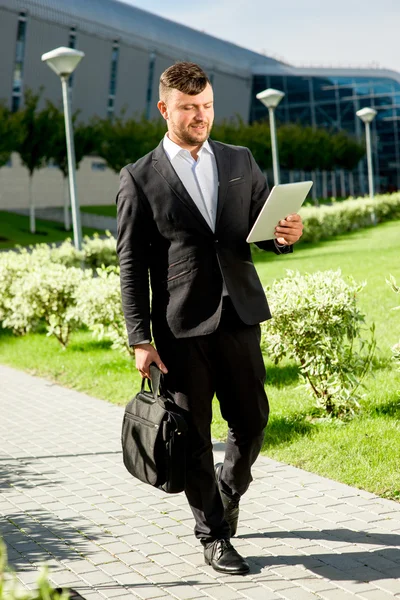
[(184, 212)]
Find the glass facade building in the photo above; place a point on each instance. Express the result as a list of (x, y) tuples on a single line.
[(331, 101)]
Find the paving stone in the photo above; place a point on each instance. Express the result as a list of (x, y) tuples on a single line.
[(149, 591), (297, 594), (376, 595), (223, 593), (185, 592)]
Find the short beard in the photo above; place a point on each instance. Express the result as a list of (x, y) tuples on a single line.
[(192, 141)]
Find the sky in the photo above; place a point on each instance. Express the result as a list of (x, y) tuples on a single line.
[(324, 33)]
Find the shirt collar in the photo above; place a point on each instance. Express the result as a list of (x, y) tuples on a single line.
[(172, 149)]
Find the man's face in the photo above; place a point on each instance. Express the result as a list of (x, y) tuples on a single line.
[(189, 118)]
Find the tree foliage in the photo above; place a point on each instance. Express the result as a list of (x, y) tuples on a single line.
[(122, 141), (7, 133), (84, 138), (34, 133)]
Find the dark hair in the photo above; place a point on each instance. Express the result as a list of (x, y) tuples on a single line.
[(186, 77)]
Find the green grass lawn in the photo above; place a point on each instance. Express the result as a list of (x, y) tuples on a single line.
[(14, 229), (364, 452), (104, 210)]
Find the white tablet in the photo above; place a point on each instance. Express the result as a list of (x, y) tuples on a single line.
[(283, 200)]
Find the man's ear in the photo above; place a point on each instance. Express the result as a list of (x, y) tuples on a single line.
[(162, 107)]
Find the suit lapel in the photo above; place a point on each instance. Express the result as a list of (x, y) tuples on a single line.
[(222, 159), (163, 166)]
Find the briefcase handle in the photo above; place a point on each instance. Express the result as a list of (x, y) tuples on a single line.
[(153, 382)]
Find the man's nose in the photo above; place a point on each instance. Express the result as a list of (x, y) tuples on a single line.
[(200, 114)]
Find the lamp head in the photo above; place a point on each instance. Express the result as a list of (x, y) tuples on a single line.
[(367, 115), (270, 97), (63, 60)]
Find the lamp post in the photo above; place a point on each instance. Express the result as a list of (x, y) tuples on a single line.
[(367, 115), (271, 98), (64, 61)]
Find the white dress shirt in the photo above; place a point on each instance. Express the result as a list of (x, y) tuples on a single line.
[(199, 177)]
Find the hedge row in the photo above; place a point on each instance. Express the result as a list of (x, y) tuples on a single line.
[(324, 222)]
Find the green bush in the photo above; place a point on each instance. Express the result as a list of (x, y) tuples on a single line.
[(396, 348), (11, 589), (316, 322), (323, 222), (42, 292), (98, 251), (13, 265), (99, 307)]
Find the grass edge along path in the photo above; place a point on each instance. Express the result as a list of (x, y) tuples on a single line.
[(364, 452), (14, 230)]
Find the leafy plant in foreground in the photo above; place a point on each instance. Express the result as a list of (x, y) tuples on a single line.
[(11, 589)]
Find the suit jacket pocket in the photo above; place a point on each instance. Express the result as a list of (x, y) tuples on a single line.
[(236, 181), (180, 267)]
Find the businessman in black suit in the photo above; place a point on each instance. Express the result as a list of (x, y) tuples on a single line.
[(184, 212)]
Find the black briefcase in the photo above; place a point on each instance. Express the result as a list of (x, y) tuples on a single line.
[(154, 438)]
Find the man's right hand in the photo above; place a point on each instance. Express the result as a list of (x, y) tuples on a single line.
[(145, 354)]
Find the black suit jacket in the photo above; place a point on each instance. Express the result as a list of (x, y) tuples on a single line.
[(162, 232)]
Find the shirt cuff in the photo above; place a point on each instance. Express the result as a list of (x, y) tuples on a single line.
[(279, 247), (142, 342)]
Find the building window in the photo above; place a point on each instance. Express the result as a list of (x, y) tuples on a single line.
[(99, 166), (150, 78), (19, 63), (71, 44), (113, 79)]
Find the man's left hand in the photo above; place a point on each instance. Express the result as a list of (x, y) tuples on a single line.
[(289, 230)]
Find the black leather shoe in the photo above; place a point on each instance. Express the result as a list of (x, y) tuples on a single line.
[(231, 506), (223, 557)]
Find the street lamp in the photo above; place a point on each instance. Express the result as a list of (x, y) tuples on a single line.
[(367, 115), (64, 61), (271, 98)]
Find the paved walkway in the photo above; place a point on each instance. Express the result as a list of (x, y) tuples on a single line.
[(67, 499)]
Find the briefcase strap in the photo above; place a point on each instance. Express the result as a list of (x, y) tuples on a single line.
[(153, 382)]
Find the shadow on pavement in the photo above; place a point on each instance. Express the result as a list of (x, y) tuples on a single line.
[(40, 536)]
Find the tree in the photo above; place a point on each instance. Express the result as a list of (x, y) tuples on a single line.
[(7, 134), (121, 141), (84, 141), (256, 137), (32, 143)]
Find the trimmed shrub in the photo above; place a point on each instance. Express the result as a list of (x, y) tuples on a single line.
[(99, 306), (323, 222), (13, 266), (45, 292), (98, 251), (316, 322), (396, 348)]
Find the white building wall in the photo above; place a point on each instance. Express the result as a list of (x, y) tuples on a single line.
[(93, 186)]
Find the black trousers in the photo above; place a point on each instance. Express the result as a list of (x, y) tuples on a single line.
[(227, 363)]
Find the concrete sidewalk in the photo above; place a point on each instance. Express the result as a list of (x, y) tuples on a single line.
[(67, 499)]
